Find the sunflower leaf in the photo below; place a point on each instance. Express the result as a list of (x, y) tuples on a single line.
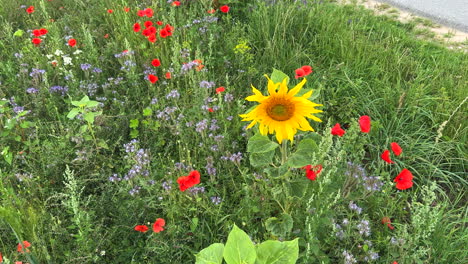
[(260, 144), (304, 153), (211, 255), (278, 76), (239, 248), (272, 251)]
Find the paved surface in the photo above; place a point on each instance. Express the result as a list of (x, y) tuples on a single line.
[(453, 13)]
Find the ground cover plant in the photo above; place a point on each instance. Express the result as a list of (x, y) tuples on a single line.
[(204, 131)]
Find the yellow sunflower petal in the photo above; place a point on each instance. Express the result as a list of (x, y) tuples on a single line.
[(271, 86), (297, 88)]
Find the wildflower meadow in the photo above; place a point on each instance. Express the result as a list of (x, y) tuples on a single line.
[(228, 131)]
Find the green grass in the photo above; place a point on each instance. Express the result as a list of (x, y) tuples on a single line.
[(414, 91)]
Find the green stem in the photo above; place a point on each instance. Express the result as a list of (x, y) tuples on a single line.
[(284, 151)]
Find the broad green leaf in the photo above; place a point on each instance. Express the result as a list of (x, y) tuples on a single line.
[(239, 248), (261, 159), (26, 124), (276, 252), (92, 104), (260, 144), (18, 33), (304, 153), (147, 111), (89, 117), (82, 103), (279, 226), (134, 123), (211, 255), (83, 128), (73, 113), (278, 76), (7, 155), (10, 124)]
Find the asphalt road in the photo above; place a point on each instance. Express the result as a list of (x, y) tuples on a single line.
[(453, 13)]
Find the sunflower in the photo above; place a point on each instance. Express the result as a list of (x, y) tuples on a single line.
[(281, 112)]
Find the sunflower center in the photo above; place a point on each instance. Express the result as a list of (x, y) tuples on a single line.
[(280, 109)]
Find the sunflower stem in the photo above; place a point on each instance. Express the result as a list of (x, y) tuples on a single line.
[(284, 150)]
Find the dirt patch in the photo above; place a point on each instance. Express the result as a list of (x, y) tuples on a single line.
[(453, 38)]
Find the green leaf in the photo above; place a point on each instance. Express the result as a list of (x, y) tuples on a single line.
[(260, 144), (7, 155), (194, 224), (304, 153), (278, 76), (89, 117), (239, 248), (147, 111), (261, 159), (275, 252), (26, 124), (83, 128), (279, 226), (134, 123), (74, 112), (211, 255), (82, 103), (18, 33), (92, 103)]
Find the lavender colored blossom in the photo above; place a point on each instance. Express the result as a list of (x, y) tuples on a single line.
[(134, 190), (207, 84), (23, 176), (188, 66), (154, 101), (236, 158), (201, 126), (229, 118), (348, 258), (32, 90), (62, 90), (210, 166), (97, 70), (214, 125), (173, 94), (85, 66), (228, 97), (167, 185), (18, 55), (364, 228), (37, 73), (196, 190), (215, 200), (354, 207), (218, 138)]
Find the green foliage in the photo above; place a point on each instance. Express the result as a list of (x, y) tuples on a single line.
[(239, 249)]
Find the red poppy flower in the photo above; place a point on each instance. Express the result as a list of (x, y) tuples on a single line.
[(26, 245), (307, 69), (194, 177), (72, 42), (183, 183), (149, 12), (337, 130), (365, 123), (110, 11), (300, 73), (136, 27), (211, 110), (312, 171), (152, 38), (30, 9), (163, 33), (220, 90), (36, 32), (168, 75), (36, 41), (404, 180), (156, 63), (141, 228), (127, 9), (106, 36), (386, 221), (1, 257), (386, 156), (152, 30), (152, 78), (176, 3), (224, 9), (211, 11), (146, 32), (158, 225), (43, 31), (148, 24), (141, 13), (394, 262), (396, 148)]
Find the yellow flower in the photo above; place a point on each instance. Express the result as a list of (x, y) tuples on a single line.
[(281, 112)]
